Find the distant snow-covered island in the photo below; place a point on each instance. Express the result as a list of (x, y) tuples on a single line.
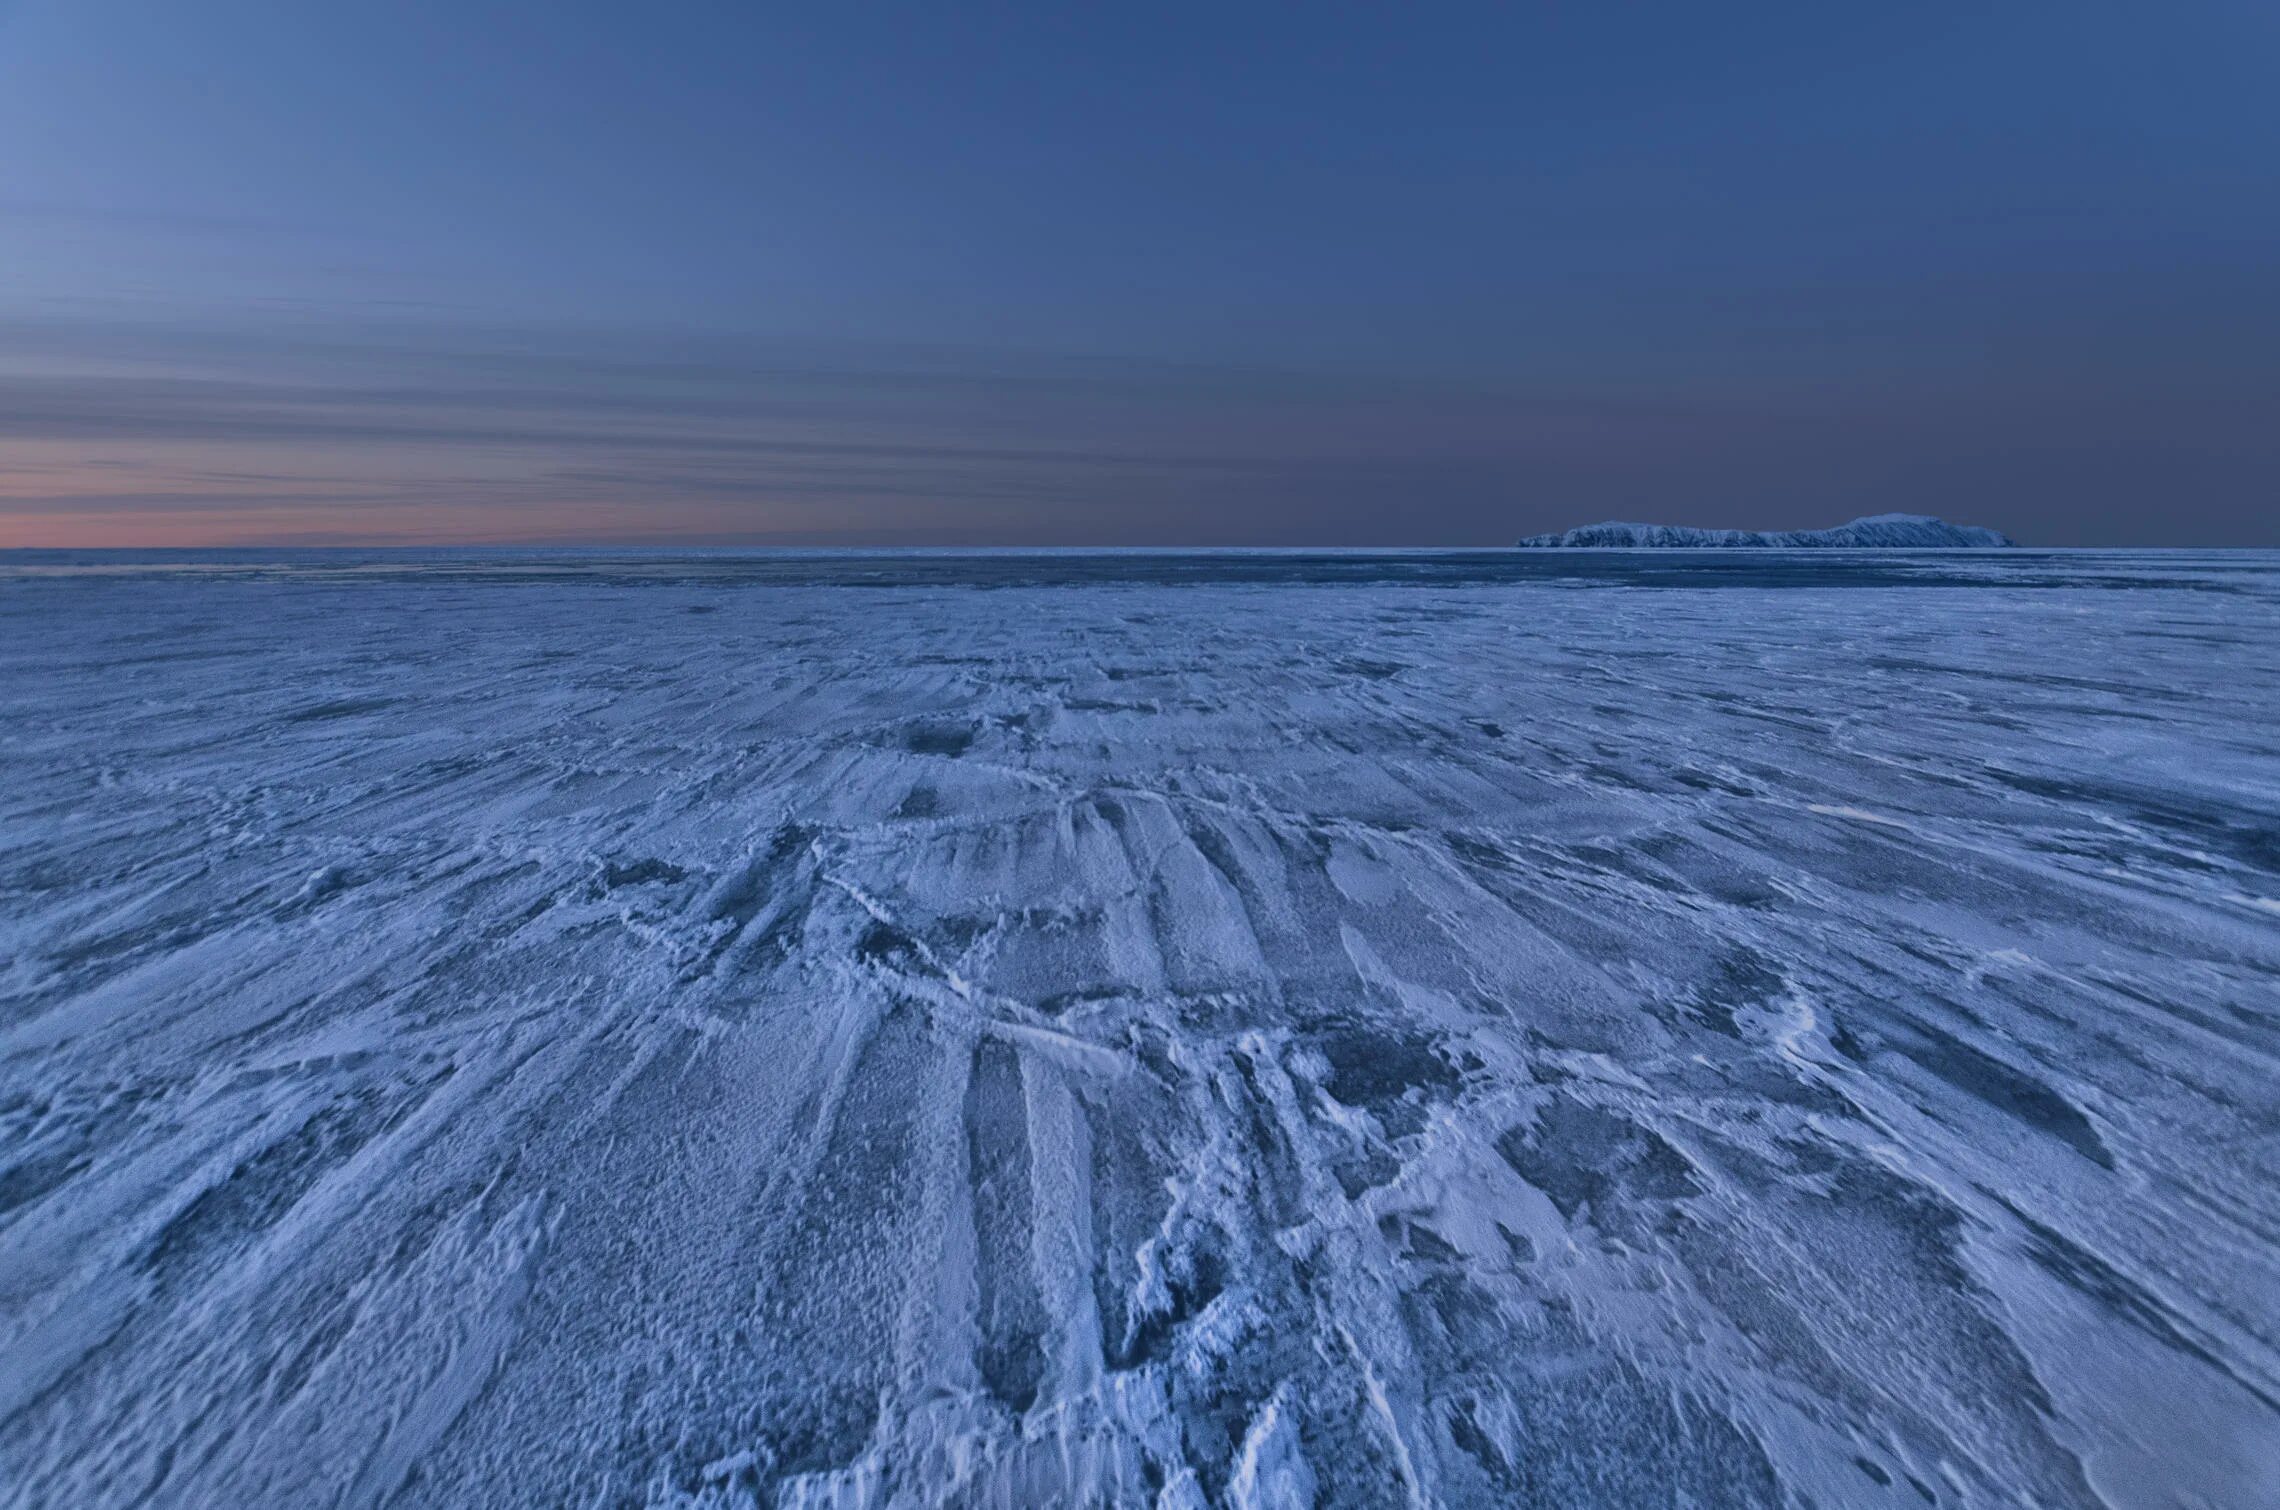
[(1876, 532)]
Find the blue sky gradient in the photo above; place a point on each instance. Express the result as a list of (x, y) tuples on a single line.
[(496, 271)]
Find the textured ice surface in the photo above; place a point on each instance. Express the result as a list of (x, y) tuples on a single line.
[(1876, 531), (1241, 1030)]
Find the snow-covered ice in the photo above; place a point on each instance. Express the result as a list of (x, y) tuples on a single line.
[(1520, 1028)]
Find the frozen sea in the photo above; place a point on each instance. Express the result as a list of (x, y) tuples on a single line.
[(1267, 1030)]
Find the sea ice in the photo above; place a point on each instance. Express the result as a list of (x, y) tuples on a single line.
[(1491, 1029)]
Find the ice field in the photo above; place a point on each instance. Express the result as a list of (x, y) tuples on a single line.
[(1507, 1029)]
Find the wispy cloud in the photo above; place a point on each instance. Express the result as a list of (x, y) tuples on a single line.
[(387, 425), (660, 432)]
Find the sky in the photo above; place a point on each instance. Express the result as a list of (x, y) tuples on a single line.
[(487, 271)]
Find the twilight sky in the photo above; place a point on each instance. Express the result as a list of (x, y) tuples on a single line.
[(401, 271)]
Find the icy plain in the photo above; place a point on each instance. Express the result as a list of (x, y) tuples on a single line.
[(1505, 1029)]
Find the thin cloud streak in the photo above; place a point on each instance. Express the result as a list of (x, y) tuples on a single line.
[(197, 433)]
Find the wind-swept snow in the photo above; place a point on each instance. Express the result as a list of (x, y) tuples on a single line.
[(1189, 1031)]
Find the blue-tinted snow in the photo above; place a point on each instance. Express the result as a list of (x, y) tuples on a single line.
[(1034, 1029)]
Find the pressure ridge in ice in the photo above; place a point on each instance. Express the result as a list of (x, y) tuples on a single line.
[(1246, 1032)]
